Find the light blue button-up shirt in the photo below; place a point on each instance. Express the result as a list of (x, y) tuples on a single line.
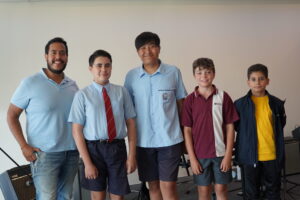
[(47, 105), (155, 99), (88, 109)]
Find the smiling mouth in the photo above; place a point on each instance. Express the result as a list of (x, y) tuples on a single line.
[(58, 62)]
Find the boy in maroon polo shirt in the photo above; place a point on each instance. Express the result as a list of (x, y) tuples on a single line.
[(208, 115)]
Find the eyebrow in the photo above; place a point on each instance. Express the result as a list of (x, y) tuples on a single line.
[(102, 63), (53, 50)]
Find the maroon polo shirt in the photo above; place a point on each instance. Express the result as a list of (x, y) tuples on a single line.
[(197, 114)]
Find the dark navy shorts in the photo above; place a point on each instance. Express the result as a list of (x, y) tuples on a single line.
[(212, 172), (110, 160), (159, 163)]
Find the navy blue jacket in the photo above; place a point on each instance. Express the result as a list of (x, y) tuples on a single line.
[(246, 139)]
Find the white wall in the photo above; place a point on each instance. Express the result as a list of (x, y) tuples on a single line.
[(234, 35)]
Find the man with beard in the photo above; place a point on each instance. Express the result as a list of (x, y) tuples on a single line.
[(46, 98)]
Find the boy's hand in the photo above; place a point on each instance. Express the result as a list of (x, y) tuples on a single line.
[(90, 171), (130, 164), (225, 164), (196, 167)]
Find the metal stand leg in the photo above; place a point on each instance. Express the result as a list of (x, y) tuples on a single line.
[(185, 164)]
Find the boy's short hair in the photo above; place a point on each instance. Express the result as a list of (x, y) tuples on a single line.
[(99, 53), (257, 68), (204, 63), (56, 40), (145, 38)]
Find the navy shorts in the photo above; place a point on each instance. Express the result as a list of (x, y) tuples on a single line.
[(110, 160), (159, 163), (212, 172)]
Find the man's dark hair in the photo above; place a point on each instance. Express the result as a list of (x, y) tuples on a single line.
[(257, 68), (204, 63), (54, 40), (99, 53), (146, 38)]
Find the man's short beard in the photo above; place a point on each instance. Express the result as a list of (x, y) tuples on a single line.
[(56, 71)]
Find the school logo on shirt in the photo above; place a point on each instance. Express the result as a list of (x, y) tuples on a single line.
[(165, 96), (218, 104)]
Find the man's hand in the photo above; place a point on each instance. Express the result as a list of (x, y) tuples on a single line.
[(28, 152)]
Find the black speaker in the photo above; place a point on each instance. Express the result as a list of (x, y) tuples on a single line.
[(17, 184), (292, 155)]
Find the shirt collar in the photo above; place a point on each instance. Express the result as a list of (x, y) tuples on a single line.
[(99, 87), (160, 70), (64, 81), (197, 94)]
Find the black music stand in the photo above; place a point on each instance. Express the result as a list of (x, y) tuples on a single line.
[(9, 157), (185, 164), (143, 193)]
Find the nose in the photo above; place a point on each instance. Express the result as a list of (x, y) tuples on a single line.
[(147, 50), (258, 82), (102, 69), (204, 75), (57, 56)]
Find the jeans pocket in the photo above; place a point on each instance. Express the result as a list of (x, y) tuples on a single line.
[(34, 163), (37, 162)]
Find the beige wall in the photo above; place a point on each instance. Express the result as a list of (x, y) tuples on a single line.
[(233, 35)]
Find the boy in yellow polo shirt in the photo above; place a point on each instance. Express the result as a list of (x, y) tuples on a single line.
[(259, 147)]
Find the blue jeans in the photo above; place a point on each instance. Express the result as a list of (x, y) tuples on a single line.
[(53, 174)]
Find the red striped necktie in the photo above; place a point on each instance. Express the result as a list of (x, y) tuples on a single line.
[(111, 127)]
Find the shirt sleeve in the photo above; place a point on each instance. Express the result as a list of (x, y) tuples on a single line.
[(180, 89), (128, 86), (128, 105), (77, 113), (21, 96), (186, 114), (230, 114)]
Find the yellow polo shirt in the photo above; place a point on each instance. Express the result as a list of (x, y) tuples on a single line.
[(264, 126)]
